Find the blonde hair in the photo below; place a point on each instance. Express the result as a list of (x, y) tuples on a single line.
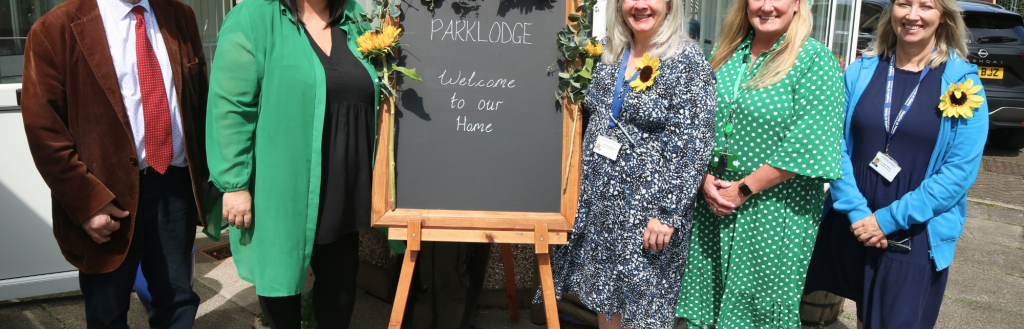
[(669, 39), (781, 60), (950, 35)]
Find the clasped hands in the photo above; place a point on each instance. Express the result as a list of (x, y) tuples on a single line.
[(723, 197), (867, 231)]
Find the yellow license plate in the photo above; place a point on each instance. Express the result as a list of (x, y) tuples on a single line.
[(988, 72)]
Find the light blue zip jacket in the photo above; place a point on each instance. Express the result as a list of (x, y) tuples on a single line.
[(941, 199)]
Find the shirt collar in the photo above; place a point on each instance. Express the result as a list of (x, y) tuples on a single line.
[(745, 45), (123, 8)]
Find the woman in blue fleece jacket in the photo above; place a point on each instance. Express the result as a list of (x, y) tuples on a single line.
[(916, 124)]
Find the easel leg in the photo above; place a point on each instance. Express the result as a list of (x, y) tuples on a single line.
[(547, 283), (405, 279), (510, 282)]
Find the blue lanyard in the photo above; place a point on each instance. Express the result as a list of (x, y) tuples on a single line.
[(619, 93), (888, 99)]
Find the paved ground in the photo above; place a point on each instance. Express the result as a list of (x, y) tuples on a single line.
[(985, 290), (1001, 179)]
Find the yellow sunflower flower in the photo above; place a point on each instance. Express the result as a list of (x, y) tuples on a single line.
[(389, 36), (594, 49), (368, 42), (961, 99), (648, 67), (374, 43)]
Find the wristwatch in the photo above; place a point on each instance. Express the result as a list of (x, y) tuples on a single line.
[(745, 189)]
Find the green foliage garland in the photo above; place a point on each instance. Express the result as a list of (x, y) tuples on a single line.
[(574, 83)]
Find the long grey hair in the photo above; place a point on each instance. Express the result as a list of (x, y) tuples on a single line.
[(669, 40)]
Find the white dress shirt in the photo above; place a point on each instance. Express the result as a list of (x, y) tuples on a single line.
[(119, 24)]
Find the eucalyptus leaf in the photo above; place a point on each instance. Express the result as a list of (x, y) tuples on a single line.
[(395, 11), (564, 75), (574, 18), (409, 73)]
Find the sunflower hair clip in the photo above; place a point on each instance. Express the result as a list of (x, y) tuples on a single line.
[(648, 68), (961, 99)]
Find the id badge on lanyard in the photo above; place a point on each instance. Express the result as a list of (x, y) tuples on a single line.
[(607, 146), (883, 163), (722, 160)]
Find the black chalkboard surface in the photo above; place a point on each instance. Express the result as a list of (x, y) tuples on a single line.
[(482, 131)]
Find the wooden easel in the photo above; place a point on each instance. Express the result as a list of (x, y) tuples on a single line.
[(415, 234), (418, 225), (510, 282), (540, 229)]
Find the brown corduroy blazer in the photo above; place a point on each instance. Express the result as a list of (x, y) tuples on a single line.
[(78, 129)]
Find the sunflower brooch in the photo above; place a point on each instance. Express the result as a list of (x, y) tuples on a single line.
[(648, 68), (961, 100), (594, 49)]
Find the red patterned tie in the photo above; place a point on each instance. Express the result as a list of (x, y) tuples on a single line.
[(159, 148)]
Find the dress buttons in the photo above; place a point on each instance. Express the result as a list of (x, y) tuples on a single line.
[(134, 161)]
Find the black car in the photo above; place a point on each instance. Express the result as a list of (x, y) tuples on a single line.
[(996, 45)]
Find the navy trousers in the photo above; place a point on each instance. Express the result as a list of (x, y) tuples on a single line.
[(165, 228)]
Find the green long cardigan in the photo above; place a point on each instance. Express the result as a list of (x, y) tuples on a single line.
[(264, 125)]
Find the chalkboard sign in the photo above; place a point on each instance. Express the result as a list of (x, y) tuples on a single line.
[(482, 136), (482, 131), (483, 153)]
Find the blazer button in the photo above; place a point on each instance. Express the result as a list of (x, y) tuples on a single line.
[(133, 161)]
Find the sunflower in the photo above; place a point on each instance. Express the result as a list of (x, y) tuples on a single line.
[(373, 43), (368, 43), (961, 100), (594, 48), (648, 68), (389, 35)]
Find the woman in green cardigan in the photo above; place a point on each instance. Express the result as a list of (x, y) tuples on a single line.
[(290, 132)]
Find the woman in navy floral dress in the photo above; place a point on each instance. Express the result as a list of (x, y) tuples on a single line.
[(627, 252)]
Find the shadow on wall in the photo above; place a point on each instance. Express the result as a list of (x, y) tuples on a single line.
[(523, 6)]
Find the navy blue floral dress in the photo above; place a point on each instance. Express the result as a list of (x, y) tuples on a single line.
[(672, 124)]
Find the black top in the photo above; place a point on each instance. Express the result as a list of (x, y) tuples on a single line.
[(915, 138), (346, 182)]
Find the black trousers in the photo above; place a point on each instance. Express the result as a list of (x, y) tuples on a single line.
[(165, 230), (335, 266)]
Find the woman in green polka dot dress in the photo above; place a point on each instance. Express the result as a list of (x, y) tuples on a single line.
[(777, 134)]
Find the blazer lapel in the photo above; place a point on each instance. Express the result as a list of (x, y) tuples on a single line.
[(165, 19), (92, 40)]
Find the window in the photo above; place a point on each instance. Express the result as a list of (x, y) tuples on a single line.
[(22, 14)]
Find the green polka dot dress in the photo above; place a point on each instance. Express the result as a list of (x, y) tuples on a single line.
[(747, 269)]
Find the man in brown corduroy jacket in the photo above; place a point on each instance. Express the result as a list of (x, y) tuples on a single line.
[(114, 103)]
